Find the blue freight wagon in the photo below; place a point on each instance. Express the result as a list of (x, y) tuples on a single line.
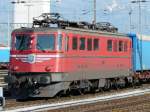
[(4, 56), (141, 52)]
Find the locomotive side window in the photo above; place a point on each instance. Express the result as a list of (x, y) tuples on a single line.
[(45, 42), (89, 44), (96, 44), (125, 46), (120, 46), (59, 42), (109, 45), (74, 43), (22, 42), (66, 43), (82, 43), (115, 46)]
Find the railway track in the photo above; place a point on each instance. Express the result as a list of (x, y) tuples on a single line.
[(70, 102), (139, 103)]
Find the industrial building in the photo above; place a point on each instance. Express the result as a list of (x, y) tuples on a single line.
[(19, 13)]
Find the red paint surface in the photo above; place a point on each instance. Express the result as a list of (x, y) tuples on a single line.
[(75, 60)]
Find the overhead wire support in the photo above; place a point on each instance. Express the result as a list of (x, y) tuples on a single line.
[(94, 11)]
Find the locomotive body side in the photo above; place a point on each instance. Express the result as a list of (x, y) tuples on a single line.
[(96, 63), (45, 62)]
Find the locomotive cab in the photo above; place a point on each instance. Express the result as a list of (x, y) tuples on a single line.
[(34, 49), (34, 57)]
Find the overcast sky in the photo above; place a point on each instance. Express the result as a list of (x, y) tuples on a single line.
[(114, 11)]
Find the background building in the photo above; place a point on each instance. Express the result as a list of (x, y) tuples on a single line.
[(19, 13), (6, 17), (25, 10)]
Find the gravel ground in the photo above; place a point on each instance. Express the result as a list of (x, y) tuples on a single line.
[(132, 104), (108, 106), (12, 103)]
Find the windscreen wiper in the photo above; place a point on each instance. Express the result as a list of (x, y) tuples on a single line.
[(40, 47), (21, 45)]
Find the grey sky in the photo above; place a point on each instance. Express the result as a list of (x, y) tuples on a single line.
[(114, 11)]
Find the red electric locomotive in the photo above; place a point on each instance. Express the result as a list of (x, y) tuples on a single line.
[(46, 61)]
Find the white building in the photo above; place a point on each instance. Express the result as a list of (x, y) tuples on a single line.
[(26, 10)]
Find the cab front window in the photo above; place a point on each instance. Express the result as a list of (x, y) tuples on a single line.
[(22, 42), (45, 42)]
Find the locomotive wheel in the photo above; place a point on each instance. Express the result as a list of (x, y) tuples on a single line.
[(136, 82), (107, 85), (64, 93)]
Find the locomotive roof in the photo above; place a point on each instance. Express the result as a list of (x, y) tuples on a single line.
[(68, 29)]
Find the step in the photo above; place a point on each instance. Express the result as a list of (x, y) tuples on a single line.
[(2, 71), (2, 75), (1, 78), (3, 84)]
